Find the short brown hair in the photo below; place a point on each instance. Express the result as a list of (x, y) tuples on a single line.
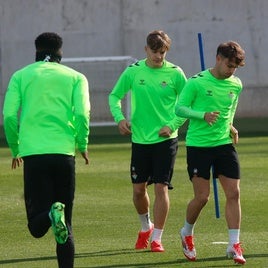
[(233, 51), (158, 39)]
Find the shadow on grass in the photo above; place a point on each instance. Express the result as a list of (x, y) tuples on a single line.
[(48, 258), (156, 264), (108, 253)]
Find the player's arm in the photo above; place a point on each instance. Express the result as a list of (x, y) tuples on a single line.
[(124, 127), (118, 93), (122, 86), (233, 131), (116, 107), (11, 107), (234, 134), (184, 104), (82, 115), (16, 162), (178, 121)]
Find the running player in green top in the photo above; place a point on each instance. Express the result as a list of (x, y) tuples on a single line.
[(46, 116), (209, 100), (155, 85)]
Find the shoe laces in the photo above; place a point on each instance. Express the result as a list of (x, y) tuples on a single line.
[(189, 242), (141, 237), (237, 248)]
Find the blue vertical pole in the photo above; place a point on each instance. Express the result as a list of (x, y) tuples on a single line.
[(215, 187), (201, 52)]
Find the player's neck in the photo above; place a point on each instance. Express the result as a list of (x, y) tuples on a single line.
[(215, 73)]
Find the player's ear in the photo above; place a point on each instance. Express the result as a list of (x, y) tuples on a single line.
[(219, 58), (147, 49)]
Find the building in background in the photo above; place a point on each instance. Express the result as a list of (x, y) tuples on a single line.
[(104, 28)]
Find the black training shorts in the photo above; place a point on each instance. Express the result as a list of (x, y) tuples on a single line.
[(153, 163), (223, 159), (48, 178)]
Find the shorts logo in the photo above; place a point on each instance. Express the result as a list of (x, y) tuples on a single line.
[(133, 173), (195, 171)]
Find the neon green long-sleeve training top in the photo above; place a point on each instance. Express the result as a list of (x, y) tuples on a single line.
[(154, 93), (205, 93), (46, 110)]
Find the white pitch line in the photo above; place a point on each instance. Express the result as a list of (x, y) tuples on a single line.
[(219, 243)]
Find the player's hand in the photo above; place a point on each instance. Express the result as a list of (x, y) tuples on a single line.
[(16, 162), (164, 132), (234, 134), (85, 156), (124, 127), (211, 117)]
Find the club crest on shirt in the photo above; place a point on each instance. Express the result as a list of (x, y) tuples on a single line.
[(231, 95), (163, 84)]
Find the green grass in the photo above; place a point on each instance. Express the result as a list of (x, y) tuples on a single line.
[(105, 223)]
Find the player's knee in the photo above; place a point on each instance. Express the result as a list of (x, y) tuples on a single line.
[(139, 190), (233, 195), (36, 232), (202, 199)]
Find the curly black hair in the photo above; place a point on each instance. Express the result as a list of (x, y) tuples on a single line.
[(48, 41), (48, 47)]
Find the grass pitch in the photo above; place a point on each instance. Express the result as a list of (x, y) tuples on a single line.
[(106, 225)]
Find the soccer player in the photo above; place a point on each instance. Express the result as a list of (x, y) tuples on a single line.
[(46, 116), (155, 85), (209, 100)]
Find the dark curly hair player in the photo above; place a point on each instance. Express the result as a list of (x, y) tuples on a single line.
[(53, 122)]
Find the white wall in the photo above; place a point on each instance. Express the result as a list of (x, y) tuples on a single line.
[(119, 27)]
